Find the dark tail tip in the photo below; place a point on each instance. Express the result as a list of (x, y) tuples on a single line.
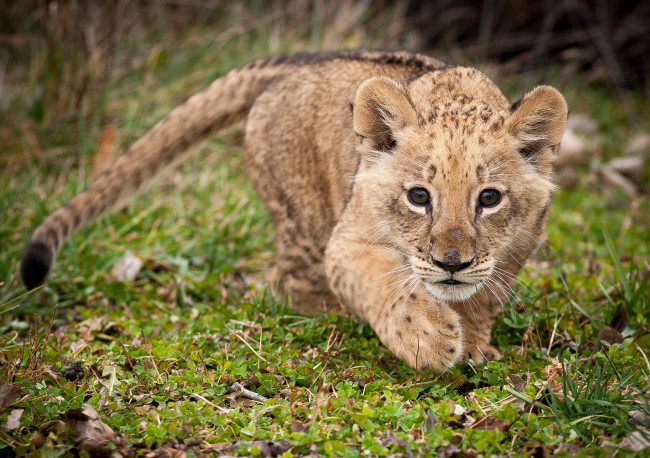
[(37, 260)]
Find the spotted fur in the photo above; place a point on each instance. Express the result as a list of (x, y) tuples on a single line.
[(335, 144)]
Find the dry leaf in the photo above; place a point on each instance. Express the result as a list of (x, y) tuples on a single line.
[(88, 425), (8, 394), (637, 440), (488, 423), (128, 267), (638, 417), (519, 385), (87, 429), (39, 438), (91, 325), (518, 382), (142, 410), (299, 427), (13, 420), (78, 346)]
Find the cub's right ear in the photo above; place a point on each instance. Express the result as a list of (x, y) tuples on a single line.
[(381, 108)]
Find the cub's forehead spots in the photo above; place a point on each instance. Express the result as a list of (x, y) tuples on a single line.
[(421, 165), (431, 171), (455, 174)]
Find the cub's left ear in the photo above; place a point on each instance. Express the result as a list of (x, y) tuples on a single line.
[(537, 125)]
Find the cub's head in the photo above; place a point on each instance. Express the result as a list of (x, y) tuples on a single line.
[(457, 180)]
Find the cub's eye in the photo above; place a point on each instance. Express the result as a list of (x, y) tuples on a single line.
[(419, 196), (489, 198)]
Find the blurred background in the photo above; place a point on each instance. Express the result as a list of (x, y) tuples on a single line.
[(69, 49), (79, 74)]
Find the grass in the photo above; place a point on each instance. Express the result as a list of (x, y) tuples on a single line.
[(157, 356)]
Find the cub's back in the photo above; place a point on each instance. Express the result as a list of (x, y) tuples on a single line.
[(302, 125)]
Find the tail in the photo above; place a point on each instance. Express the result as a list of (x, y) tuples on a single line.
[(226, 101)]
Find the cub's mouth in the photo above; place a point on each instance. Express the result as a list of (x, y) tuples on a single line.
[(452, 290), (450, 286)]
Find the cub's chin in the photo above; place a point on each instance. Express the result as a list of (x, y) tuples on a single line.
[(457, 292)]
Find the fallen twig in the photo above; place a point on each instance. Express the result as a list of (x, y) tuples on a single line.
[(246, 393), (212, 404)]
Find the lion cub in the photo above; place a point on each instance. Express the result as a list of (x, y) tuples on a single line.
[(406, 190)]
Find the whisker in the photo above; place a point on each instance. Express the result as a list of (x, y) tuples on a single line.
[(396, 271)]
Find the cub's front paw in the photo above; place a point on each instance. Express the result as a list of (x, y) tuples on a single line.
[(423, 335), (481, 353)]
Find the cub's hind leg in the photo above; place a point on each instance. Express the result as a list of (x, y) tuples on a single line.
[(299, 271)]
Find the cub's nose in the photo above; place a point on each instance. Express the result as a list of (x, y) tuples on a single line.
[(451, 261), (452, 267)]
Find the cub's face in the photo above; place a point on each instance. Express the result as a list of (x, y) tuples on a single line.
[(459, 186), (459, 212)]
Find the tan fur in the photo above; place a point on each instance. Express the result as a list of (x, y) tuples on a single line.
[(334, 144)]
